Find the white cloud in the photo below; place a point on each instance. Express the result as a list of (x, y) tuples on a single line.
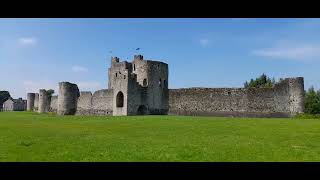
[(77, 68), (89, 86), (292, 52), (27, 41), (204, 42)]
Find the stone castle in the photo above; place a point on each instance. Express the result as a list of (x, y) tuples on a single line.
[(141, 87), (136, 88)]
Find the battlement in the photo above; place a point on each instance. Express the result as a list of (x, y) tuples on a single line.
[(120, 65), (138, 57), (141, 87), (114, 60)]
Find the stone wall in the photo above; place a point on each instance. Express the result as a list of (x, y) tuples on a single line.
[(84, 103), (283, 100), (54, 104), (141, 87), (100, 103)]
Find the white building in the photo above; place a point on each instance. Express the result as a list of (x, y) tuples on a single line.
[(15, 105)]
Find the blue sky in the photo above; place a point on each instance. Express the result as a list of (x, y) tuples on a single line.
[(39, 53)]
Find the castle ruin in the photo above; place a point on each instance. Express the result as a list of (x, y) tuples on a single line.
[(140, 87)]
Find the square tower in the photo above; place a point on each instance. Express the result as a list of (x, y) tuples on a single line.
[(140, 87)]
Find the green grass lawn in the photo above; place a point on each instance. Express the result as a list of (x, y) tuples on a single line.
[(26, 136)]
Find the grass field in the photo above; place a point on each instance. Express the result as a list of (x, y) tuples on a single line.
[(26, 136)]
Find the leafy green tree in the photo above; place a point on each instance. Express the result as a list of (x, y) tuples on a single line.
[(50, 92), (262, 81), (4, 95), (312, 101)]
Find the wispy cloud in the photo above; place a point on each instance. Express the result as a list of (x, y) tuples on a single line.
[(291, 52), (204, 42), (77, 68), (89, 86), (27, 41)]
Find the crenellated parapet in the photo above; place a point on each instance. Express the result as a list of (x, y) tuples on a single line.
[(141, 87)]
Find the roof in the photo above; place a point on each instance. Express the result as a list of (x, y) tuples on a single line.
[(16, 100)]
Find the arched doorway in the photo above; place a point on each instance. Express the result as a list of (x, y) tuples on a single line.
[(142, 110), (145, 83), (119, 99)]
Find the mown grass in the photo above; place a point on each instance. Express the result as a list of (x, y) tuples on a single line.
[(27, 136)]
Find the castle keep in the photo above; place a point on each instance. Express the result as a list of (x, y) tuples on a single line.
[(134, 88), (141, 87)]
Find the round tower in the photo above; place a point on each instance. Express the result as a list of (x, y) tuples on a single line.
[(30, 101), (296, 95), (43, 101), (67, 98), (153, 75)]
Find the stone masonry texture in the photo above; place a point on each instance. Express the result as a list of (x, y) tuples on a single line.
[(30, 101), (67, 98), (141, 87)]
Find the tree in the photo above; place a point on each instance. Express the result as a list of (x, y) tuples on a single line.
[(246, 84), (4, 95), (312, 101), (262, 81), (50, 92)]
